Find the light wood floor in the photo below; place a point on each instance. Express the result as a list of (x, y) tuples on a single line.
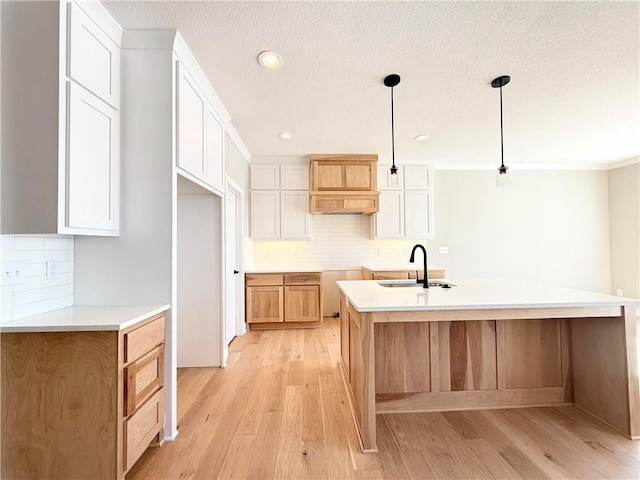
[(279, 410)]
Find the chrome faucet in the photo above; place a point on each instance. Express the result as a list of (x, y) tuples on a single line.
[(425, 281)]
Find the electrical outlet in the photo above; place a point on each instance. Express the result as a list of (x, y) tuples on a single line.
[(52, 270), (619, 292), (11, 273), (443, 250)]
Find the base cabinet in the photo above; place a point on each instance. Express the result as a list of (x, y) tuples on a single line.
[(80, 404), (283, 299)]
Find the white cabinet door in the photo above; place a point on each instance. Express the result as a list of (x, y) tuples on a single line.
[(191, 121), (214, 151), (390, 218), (294, 177), (294, 214), (385, 179), (265, 177), (93, 58), (418, 214), (92, 168), (417, 177), (265, 214)]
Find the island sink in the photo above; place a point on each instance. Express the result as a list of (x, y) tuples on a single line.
[(401, 284)]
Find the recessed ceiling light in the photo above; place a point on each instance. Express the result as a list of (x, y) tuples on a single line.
[(422, 138), (270, 60), (285, 136)]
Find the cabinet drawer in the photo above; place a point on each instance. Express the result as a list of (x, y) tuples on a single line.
[(142, 378), (252, 279), (142, 339), (302, 278), (141, 427), (392, 275)]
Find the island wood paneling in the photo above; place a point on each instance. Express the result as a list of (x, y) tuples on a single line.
[(532, 353), (402, 357), (470, 349), (605, 370)]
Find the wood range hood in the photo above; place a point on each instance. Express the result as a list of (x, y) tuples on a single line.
[(344, 184)]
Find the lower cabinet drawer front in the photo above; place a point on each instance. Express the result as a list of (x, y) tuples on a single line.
[(142, 339), (141, 427), (142, 378), (302, 279)]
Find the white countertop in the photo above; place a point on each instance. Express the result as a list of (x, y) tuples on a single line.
[(471, 294), (390, 267), (83, 318), (313, 269)]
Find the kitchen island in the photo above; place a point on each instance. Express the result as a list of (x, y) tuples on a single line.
[(487, 343)]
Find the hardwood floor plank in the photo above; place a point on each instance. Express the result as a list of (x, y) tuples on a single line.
[(289, 461), (265, 451), (236, 463)]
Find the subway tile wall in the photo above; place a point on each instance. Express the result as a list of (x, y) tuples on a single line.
[(34, 294), (339, 242)]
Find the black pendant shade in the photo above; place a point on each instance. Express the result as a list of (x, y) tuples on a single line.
[(392, 81)]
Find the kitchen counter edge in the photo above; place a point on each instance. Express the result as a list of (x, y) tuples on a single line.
[(84, 318)]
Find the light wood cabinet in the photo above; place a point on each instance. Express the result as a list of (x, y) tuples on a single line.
[(291, 299), (60, 119), (343, 184), (102, 395), (432, 273)]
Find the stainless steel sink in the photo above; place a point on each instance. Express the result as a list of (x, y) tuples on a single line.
[(405, 284)]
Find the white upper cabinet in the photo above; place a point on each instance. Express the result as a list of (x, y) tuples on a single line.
[(390, 218), (94, 59), (289, 184), (294, 214), (214, 151), (60, 118), (294, 177), (265, 177), (92, 198), (191, 125), (418, 220), (406, 211), (417, 177), (265, 214), (386, 180)]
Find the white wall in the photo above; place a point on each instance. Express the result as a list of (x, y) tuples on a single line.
[(550, 226), (35, 294), (199, 312), (624, 222)]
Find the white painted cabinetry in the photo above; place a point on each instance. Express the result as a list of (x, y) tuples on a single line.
[(406, 209), (200, 134), (280, 201), (92, 162), (191, 126), (60, 118)]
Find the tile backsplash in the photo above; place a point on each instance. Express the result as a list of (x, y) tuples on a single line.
[(33, 293), (340, 242)]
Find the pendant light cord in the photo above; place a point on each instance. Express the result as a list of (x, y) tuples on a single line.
[(393, 140), (501, 133)]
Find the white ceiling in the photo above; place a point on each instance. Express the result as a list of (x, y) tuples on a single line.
[(574, 66)]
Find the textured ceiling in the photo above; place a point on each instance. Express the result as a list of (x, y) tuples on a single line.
[(574, 67)]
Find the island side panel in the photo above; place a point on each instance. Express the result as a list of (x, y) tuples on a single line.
[(59, 405), (605, 369)]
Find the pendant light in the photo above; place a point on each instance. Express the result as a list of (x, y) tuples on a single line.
[(503, 178), (392, 81)]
